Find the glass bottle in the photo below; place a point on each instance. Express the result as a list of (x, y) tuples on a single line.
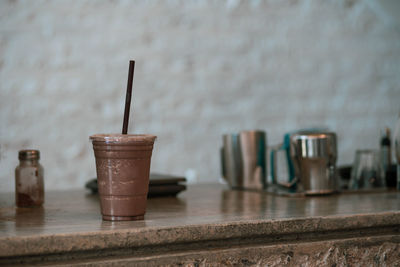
[(386, 150), (29, 184), (397, 150)]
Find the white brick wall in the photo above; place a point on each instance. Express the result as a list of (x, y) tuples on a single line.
[(203, 68)]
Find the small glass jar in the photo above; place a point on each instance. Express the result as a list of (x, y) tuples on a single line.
[(29, 184)]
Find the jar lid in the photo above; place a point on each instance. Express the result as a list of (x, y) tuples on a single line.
[(28, 154)]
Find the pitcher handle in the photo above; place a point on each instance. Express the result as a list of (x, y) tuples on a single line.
[(273, 162), (223, 167), (288, 184)]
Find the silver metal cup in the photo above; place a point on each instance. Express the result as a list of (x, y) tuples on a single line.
[(314, 158), (243, 158)]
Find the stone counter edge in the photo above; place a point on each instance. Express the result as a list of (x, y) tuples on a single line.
[(139, 237)]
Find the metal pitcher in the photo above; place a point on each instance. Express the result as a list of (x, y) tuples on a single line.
[(243, 159), (281, 165), (314, 158)]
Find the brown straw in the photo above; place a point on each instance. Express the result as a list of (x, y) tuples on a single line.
[(128, 97)]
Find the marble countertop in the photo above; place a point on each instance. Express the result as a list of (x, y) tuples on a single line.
[(71, 221)]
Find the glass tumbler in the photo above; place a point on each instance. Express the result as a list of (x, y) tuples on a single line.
[(367, 172)]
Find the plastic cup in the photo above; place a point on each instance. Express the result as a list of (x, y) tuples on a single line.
[(123, 169)]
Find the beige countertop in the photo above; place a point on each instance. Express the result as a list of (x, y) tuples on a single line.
[(70, 221)]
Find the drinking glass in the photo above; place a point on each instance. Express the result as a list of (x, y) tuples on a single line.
[(367, 172)]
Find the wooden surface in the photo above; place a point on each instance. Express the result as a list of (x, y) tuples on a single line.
[(70, 221)]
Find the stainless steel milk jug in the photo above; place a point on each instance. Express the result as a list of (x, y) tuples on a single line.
[(243, 158), (314, 158)]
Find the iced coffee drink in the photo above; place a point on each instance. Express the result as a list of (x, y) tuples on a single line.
[(123, 169)]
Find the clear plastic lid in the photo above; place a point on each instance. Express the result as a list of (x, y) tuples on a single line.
[(123, 138)]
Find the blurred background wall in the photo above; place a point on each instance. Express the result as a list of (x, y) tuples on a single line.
[(203, 68)]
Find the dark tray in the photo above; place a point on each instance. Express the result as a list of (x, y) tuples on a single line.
[(159, 185)]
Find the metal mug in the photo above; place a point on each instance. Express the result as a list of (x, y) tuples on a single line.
[(281, 165), (243, 159), (314, 158)]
